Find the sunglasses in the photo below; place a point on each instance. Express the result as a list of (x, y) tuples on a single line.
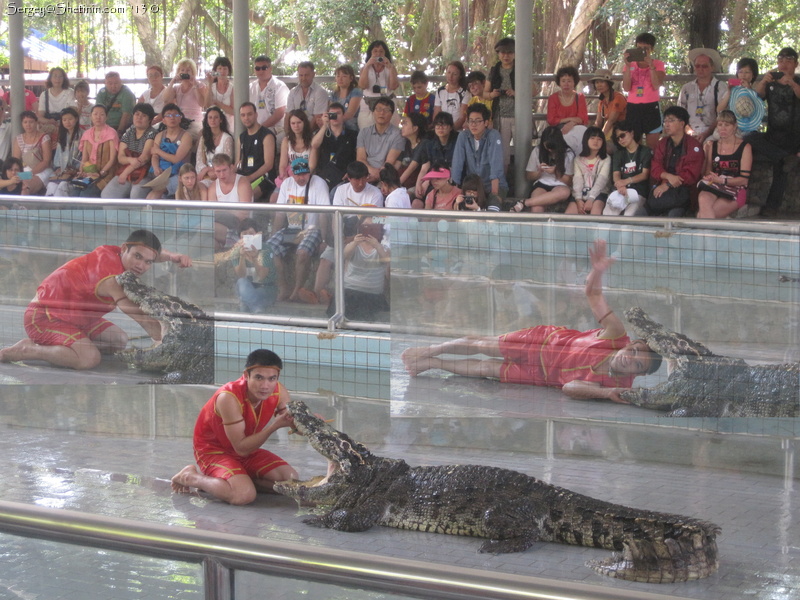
[(622, 135), (262, 68)]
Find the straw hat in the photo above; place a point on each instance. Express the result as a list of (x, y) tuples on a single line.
[(602, 75), (713, 55)]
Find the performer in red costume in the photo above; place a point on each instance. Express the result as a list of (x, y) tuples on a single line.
[(65, 321), (229, 433), (598, 363)]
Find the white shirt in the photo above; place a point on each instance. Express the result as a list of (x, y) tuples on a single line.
[(57, 103), (267, 101), (316, 101), (398, 199), (291, 193), (369, 196), (451, 101), (702, 106), (551, 179)]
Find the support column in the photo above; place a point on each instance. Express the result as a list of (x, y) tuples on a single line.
[(523, 106)]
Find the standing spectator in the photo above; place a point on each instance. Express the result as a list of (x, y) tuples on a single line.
[(592, 175), (611, 105), (642, 79), (99, 146), (171, 148), (154, 95), (380, 143), (35, 151), (550, 167), (742, 99), (412, 128), (348, 94), (378, 79), (256, 278), (189, 94), (220, 89), (630, 168), (257, 150), (56, 97), (421, 101), (479, 150), (500, 89), (676, 167), (453, 96), (118, 100), (438, 148), (307, 96), (299, 230), (83, 105), (566, 109), (215, 139), (701, 96), (269, 95), (67, 158), (723, 189), (133, 157), (444, 193), (781, 143), (333, 147)]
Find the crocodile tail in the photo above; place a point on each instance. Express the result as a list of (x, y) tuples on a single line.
[(691, 553)]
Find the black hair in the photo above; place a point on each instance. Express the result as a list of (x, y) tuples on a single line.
[(146, 109), (28, 114), (263, 358), (64, 84), (12, 160), (357, 170), (445, 117), (305, 134), (249, 224), (171, 107), (418, 77), (590, 133), (479, 108), (553, 150), (390, 176), (250, 104), (568, 70), (678, 112), (223, 61), (62, 131), (748, 62), (382, 44), (473, 183), (462, 73), (507, 44), (646, 38), (143, 236), (624, 126), (102, 106), (476, 76), (655, 358), (208, 135), (420, 122), (386, 102), (338, 105), (262, 58)]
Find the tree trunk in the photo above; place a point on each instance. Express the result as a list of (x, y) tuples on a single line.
[(154, 54), (447, 30), (704, 21), (224, 46), (575, 42)]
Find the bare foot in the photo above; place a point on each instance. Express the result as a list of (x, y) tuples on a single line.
[(20, 351), (180, 483), (415, 360)]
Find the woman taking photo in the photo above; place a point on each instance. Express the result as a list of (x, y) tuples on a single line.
[(215, 139), (189, 94), (473, 196), (53, 100), (67, 158), (378, 78), (348, 94), (35, 151), (99, 145), (220, 89), (133, 157), (171, 148)]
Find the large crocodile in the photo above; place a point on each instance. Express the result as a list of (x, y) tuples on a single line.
[(511, 509), (186, 352), (704, 384)]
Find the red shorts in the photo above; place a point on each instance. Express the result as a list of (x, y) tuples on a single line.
[(522, 353), (225, 466), (45, 330)]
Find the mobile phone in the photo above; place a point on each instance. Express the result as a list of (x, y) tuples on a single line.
[(776, 75), (372, 229), (25, 175), (635, 54)]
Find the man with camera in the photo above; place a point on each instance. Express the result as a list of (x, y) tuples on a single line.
[(306, 96), (335, 147), (781, 143)]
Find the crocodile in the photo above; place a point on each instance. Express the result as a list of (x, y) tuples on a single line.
[(704, 384), (186, 352), (511, 509)]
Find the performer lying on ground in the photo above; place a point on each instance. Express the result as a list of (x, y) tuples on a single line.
[(230, 430), (64, 321), (598, 363)]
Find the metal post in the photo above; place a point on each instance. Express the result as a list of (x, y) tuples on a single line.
[(523, 107), (241, 58), (16, 63)]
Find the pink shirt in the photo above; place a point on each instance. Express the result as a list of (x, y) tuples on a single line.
[(642, 91)]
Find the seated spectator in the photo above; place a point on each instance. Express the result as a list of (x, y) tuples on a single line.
[(742, 99), (257, 151), (453, 96), (56, 97), (611, 105), (35, 151), (215, 138), (189, 94), (99, 146), (229, 186), (171, 148), (378, 79), (723, 189), (133, 157), (82, 104), (642, 79), (676, 167), (394, 194), (476, 82), (421, 101), (566, 109), (366, 270), (10, 182), (479, 150), (256, 276), (500, 89), (438, 148), (220, 89), (31, 101), (118, 100), (348, 95), (380, 143), (412, 128), (550, 167), (473, 197), (307, 96), (701, 96), (154, 95), (67, 158), (296, 144), (188, 186), (298, 230), (630, 170), (333, 147), (592, 175), (443, 193), (269, 95)]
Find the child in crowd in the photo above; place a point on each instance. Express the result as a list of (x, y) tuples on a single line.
[(82, 104), (10, 181), (421, 101), (499, 88), (550, 167), (476, 81), (395, 195), (630, 170), (188, 187), (443, 193), (590, 183)]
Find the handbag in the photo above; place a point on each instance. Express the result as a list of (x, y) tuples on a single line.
[(725, 191), (137, 174)]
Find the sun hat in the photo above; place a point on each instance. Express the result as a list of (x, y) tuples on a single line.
[(437, 174), (713, 55), (602, 75), (748, 108)]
